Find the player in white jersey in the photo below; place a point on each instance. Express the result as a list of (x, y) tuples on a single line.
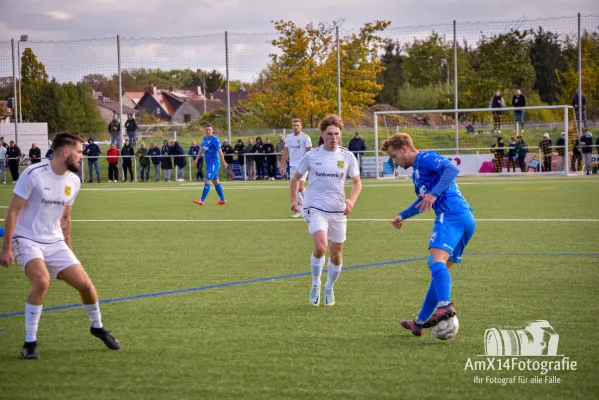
[(38, 235), (325, 205), (296, 145)]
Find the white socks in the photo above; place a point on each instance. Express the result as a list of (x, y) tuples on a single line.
[(32, 320), (300, 199), (317, 266), (333, 272), (93, 312)]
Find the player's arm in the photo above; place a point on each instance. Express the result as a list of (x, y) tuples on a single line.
[(284, 156), (294, 189), (356, 189), (199, 155), (222, 158), (10, 221), (65, 225), (448, 174)]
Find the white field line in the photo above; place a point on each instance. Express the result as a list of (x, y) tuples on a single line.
[(150, 220)]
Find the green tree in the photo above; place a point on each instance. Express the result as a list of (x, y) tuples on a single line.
[(33, 79), (394, 74), (547, 60)]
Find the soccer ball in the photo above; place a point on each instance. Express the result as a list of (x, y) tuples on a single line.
[(446, 329)]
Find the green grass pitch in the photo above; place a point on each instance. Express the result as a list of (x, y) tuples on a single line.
[(534, 256)]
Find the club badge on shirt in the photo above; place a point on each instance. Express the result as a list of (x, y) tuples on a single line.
[(67, 190), (340, 163)]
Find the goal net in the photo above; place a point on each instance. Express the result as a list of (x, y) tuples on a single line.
[(487, 141)]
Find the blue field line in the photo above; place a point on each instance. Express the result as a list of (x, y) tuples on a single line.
[(279, 277), (2, 330)]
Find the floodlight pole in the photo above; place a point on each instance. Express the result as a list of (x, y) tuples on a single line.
[(14, 85), (455, 87), (338, 72)]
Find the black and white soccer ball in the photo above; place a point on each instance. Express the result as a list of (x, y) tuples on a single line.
[(446, 329)]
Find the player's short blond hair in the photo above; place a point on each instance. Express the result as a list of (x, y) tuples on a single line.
[(397, 141), (294, 120), (331, 120)]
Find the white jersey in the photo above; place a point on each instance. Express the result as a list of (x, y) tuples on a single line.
[(298, 146), (47, 195), (327, 173)]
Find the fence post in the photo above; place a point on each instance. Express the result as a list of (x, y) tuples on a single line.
[(14, 85), (338, 72), (190, 162), (118, 56), (567, 142), (135, 168), (579, 124), (455, 87), (228, 87)]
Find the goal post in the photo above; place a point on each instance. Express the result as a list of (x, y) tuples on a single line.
[(472, 141)]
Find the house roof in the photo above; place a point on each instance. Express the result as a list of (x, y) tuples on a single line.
[(114, 106), (236, 97), (211, 105), (134, 96)]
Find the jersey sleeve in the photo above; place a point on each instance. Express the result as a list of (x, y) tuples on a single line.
[(353, 168), (433, 164), (216, 142), (75, 189), (308, 142), (24, 186), (304, 164)]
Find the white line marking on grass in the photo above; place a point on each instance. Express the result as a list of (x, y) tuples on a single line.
[(150, 220)]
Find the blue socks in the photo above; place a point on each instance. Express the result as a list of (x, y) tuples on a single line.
[(205, 192), (441, 281), (429, 304), (219, 190)]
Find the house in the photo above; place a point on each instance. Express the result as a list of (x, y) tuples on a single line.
[(109, 107), (130, 99), (236, 97), (5, 111), (164, 103), (192, 110)]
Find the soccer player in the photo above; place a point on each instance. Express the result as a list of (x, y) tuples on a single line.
[(213, 155), (296, 145), (38, 234), (434, 180), (325, 204)]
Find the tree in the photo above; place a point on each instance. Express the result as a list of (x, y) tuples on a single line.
[(423, 61), (547, 60), (33, 79), (394, 74)]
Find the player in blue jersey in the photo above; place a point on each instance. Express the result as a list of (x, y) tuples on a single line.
[(434, 180), (213, 156)]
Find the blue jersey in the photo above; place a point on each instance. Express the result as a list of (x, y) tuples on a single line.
[(428, 168), (211, 146)]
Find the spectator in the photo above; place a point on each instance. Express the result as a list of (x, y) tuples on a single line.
[(35, 154), (577, 110), (357, 145), (131, 127), (586, 142), (92, 151), (576, 163), (127, 153), (238, 150), (521, 151), (519, 101), (251, 163), (49, 154), (3, 143), (166, 162), (259, 149), (512, 156), (228, 152), (279, 148), (114, 128), (498, 150), (497, 102), (180, 161), (113, 164), (271, 160), (561, 151), (546, 151), (3, 160), (193, 151), (154, 155), (13, 154), (144, 162)]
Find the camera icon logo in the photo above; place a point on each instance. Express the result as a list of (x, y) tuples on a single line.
[(538, 338)]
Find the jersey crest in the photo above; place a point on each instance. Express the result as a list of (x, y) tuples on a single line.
[(340, 163), (67, 190)]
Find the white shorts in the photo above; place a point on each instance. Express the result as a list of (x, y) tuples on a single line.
[(293, 170), (57, 256), (334, 224)]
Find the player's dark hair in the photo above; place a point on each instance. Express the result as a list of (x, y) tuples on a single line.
[(331, 120), (397, 141), (62, 139), (208, 126)]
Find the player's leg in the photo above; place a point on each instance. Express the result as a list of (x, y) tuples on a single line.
[(38, 275), (337, 235), (318, 228), (76, 277), (210, 175), (219, 190)]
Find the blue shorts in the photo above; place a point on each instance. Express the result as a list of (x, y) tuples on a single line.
[(452, 232), (212, 172)]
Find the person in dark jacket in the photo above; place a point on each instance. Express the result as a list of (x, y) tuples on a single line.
[(271, 160), (512, 156), (578, 110), (238, 150), (13, 153), (153, 153), (586, 142), (131, 127), (127, 152), (521, 151), (519, 101), (35, 154), (357, 146), (167, 163), (561, 151), (497, 102), (576, 163), (498, 150), (228, 153), (92, 151), (144, 162), (114, 128), (49, 154), (259, 150), (193, 151), (180, 161), (546, 151), (250, 162)]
